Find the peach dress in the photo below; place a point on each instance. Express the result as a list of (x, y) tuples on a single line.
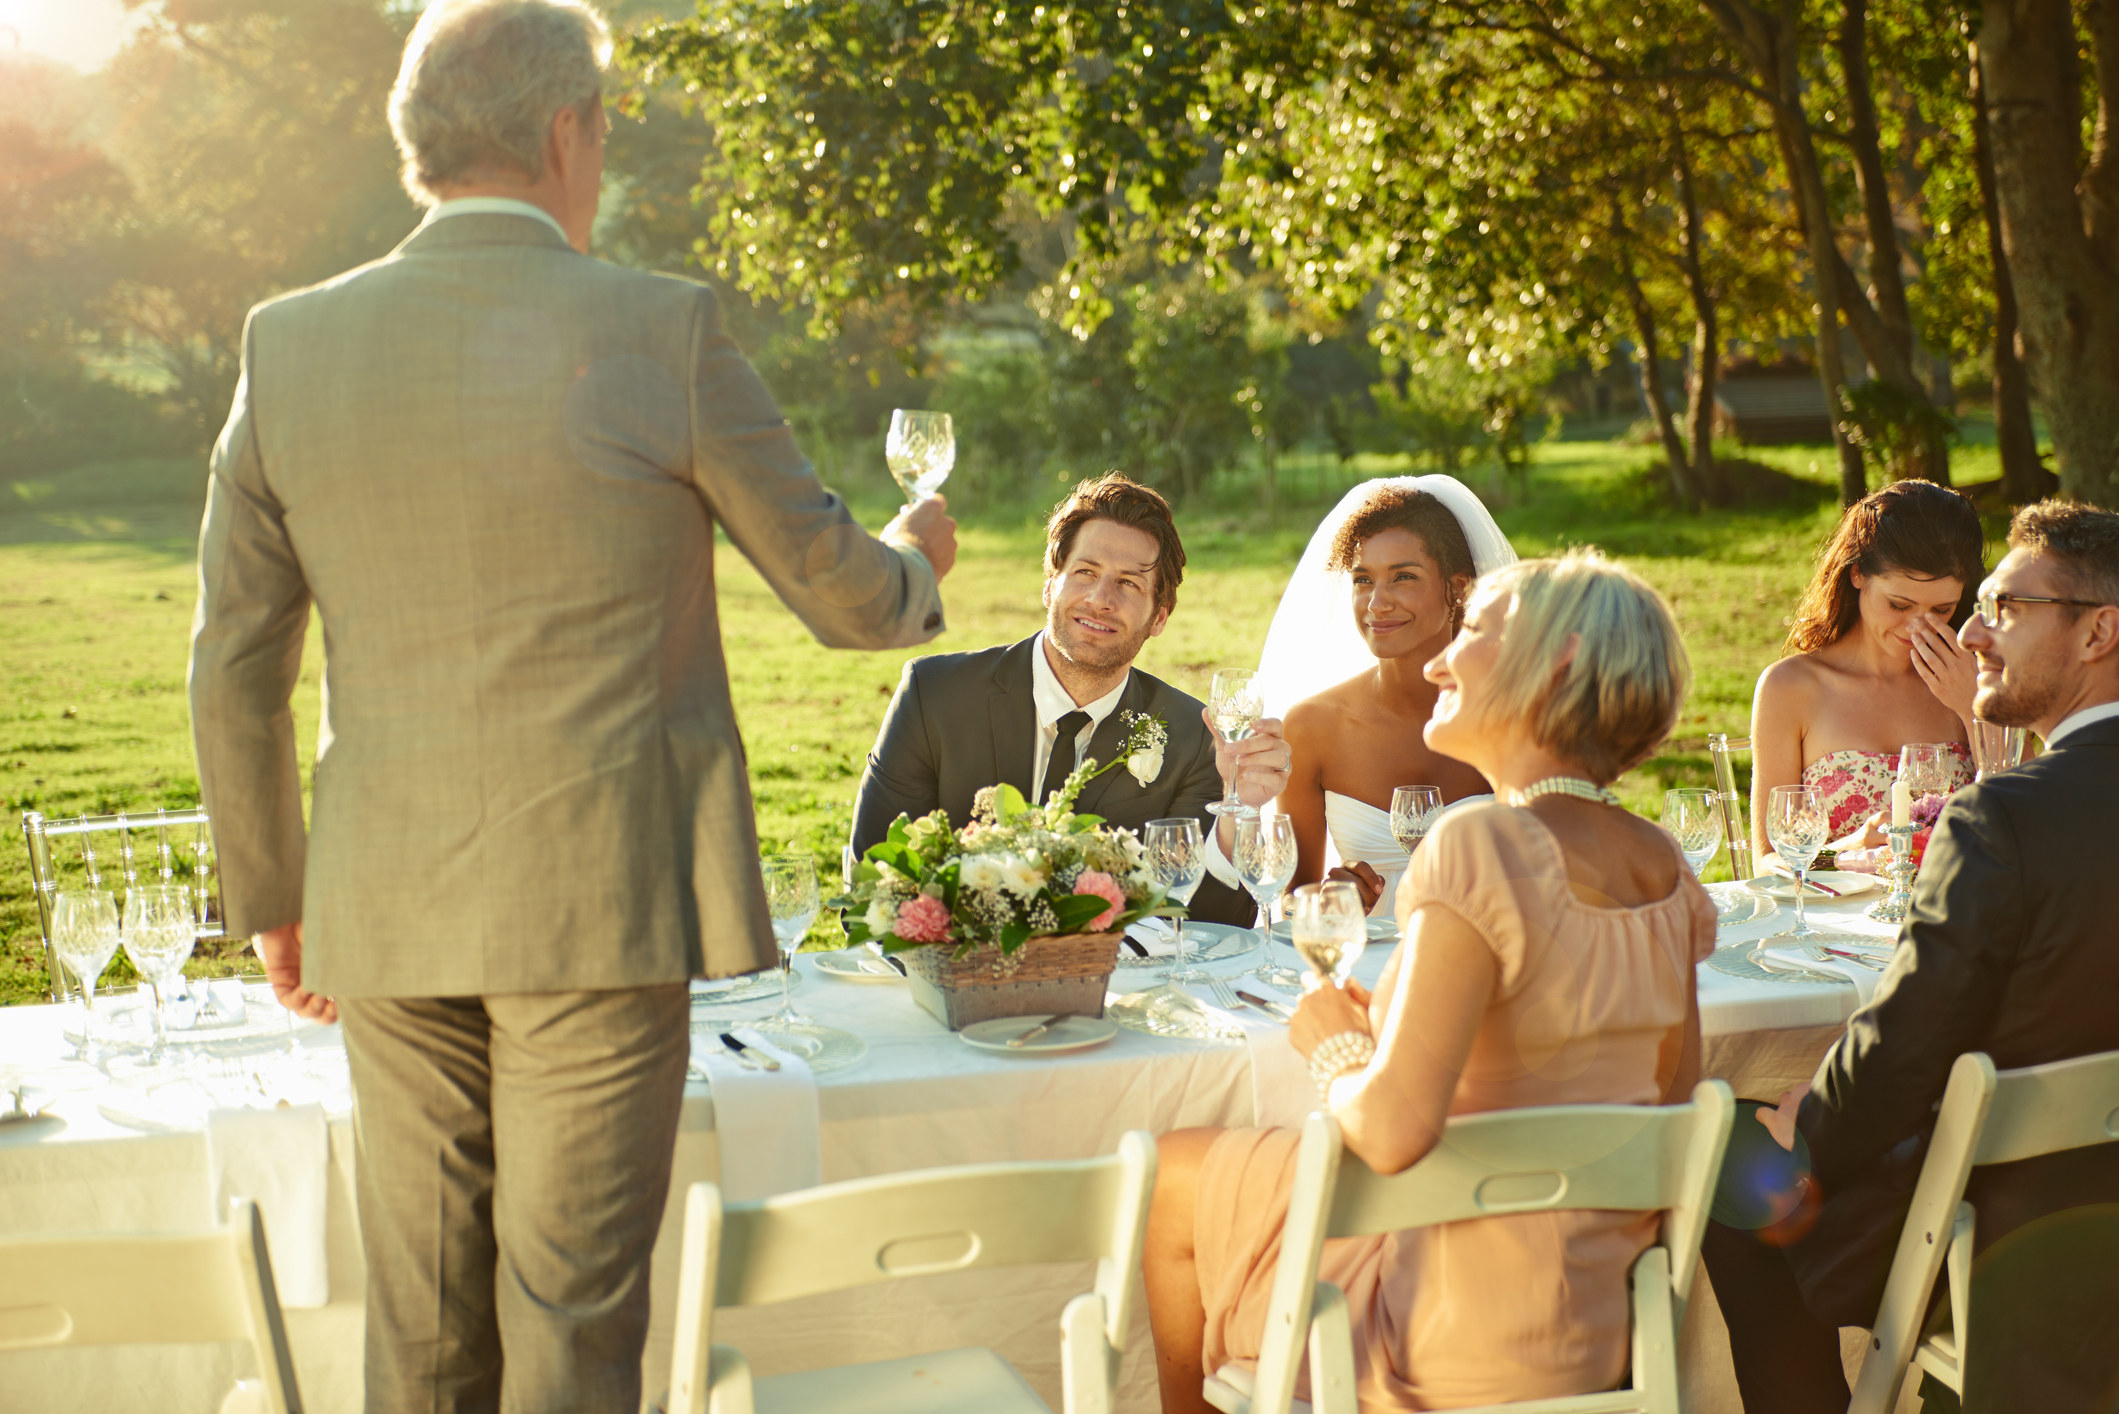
[(1526, 1306)]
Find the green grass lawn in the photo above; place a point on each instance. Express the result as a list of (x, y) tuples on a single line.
[(97, 588)]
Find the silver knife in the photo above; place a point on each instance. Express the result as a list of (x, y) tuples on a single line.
[(750, 1055), (1015, 1042), (1268, 1007)]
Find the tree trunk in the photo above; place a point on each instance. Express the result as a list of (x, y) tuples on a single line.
[(2024, 477), (2058, 241), (1706, 336), (1866, 144), (1684, 485)]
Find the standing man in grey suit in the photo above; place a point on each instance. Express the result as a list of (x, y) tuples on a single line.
[(1028, 714), (495, 466)]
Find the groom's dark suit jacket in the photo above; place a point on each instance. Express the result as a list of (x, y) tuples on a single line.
[(2012, 948), (964, 721)]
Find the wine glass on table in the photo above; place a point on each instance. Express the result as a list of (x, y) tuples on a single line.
[(158, 936), (1265, 861), (1690, 817), (793, 900), (85, 933), (1235, 702), (1177, 858), (921, 449), (1330, 930), (1923, 767), (1797, 828)]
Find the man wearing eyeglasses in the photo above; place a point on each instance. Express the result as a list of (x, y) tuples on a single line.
[(2012, 948)]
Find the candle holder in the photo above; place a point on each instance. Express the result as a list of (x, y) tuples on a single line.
[(1891, 908)]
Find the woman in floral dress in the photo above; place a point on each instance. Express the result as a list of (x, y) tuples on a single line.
[(1872, 660)]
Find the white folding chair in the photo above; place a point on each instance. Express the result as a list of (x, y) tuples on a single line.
[(151, 1289), (913, 1224), (1627, 1157), (1986, 1118)]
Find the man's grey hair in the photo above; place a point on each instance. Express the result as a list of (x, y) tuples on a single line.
[(481, 82)]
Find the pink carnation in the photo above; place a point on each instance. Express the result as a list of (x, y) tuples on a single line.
[(1097, 882), (923, 919)]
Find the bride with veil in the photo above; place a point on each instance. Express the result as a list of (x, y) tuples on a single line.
[(1378, 592)]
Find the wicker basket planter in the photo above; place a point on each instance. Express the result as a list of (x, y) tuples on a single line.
[(1069, 974)]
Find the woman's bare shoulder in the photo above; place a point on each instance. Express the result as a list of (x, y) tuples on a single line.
[(1323, 711), (1791, 680)]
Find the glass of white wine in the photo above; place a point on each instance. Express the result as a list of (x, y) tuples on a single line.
[(921, 449), (1797, 828), (1330, 929), (1235, 701), (1693, 821)]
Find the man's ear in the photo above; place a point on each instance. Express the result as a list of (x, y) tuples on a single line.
[(1158, 623), (2100, 642), (1045, 594)]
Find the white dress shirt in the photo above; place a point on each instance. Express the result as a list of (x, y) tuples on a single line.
[(2075, 721), (1054, 702), (493, 206)]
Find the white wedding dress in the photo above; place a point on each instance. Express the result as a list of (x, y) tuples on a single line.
[(1355, 830)]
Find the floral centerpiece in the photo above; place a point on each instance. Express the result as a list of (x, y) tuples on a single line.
[(967, 903)]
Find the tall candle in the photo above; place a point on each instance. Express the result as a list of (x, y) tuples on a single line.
[(1901, 805)]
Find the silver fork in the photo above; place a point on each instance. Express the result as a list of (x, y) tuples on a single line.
[(1220, 988)]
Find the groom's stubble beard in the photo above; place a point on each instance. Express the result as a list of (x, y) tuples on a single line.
[(1092, 653)]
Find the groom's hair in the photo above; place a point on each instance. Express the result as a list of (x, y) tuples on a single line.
[(1115, 496), (481, 82), (2081, 540)]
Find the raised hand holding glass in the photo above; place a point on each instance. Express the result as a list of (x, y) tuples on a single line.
[(1235, 701), (921, 449), (1330, 929)]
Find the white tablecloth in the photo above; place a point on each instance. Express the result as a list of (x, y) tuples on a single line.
[(920, 1098)]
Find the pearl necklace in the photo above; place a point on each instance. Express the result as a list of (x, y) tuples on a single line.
[(1563, 785)]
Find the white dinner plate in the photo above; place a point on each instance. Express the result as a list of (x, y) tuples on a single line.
[(1379, 930), (746, 987), (1206, 942), (1846, 882), (1075, 1033), (855, 965)]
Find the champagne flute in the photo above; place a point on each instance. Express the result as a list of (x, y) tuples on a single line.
[(1177, 857), (85, 932), (1691, 818), (1265, 861), (1235, 701), (158, 937), (1414, 810), (793, 900), (1330, 930), (1797, 827), (921, 449)]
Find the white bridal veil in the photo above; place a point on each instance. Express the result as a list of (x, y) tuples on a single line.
[(1313, 643)]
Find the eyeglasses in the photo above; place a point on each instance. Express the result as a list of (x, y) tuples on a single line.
[(1989, 605)]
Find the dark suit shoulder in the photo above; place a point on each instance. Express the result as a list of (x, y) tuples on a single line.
[(1161, 693), (973, 668)]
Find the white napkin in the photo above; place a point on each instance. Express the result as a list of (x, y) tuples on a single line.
[(1157, 935), (1863, 978), (764, 1120), (277, 1158), (1282, 1092)]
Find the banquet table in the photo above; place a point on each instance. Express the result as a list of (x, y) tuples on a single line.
[(920, 1098)]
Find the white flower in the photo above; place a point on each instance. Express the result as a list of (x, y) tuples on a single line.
[(880, 918), (1146, 765), (1021, 876), (985, 873)]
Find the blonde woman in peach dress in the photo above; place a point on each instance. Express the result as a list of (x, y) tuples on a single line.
[(1550, 944)]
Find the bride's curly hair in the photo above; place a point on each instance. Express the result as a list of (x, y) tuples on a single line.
[(1406, 508), (1909, 527)]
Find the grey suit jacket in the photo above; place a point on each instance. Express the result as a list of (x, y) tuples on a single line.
[(964, 721), (496, 467)]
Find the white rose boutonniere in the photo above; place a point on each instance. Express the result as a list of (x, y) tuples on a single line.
[(1145, 739)]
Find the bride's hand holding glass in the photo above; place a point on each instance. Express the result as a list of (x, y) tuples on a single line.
[(1257, 763)]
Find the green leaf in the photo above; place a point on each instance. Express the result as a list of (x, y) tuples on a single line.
[(1009, 802), (1013, 936), (900, 830), (1076, 911), (1083, 824), (898, 857)]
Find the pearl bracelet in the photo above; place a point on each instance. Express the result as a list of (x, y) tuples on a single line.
[(1338, 1054)]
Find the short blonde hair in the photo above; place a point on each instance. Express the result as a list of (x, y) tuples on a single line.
[(481, 81), (1609, 703)]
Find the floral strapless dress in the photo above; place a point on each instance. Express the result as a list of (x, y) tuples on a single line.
[(1857, 784)]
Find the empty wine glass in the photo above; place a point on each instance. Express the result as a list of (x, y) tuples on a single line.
[(921, 449), (1996, 748), (1797, 827), (1265, 861), (1414, 810), (1330, 929), (1924, 767), (1177, 858), (1696, 825), (792, 898), (85, 933), (1235, 701), (158, 936)]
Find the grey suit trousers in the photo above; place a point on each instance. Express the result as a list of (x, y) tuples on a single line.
[(514, 1163)]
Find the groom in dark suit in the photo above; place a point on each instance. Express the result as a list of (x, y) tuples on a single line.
[(1029, 713), (2011, 948)]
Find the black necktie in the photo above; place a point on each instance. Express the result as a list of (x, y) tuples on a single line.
[(1060, 764)]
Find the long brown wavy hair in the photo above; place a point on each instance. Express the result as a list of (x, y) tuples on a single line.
[(1909, 527)]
